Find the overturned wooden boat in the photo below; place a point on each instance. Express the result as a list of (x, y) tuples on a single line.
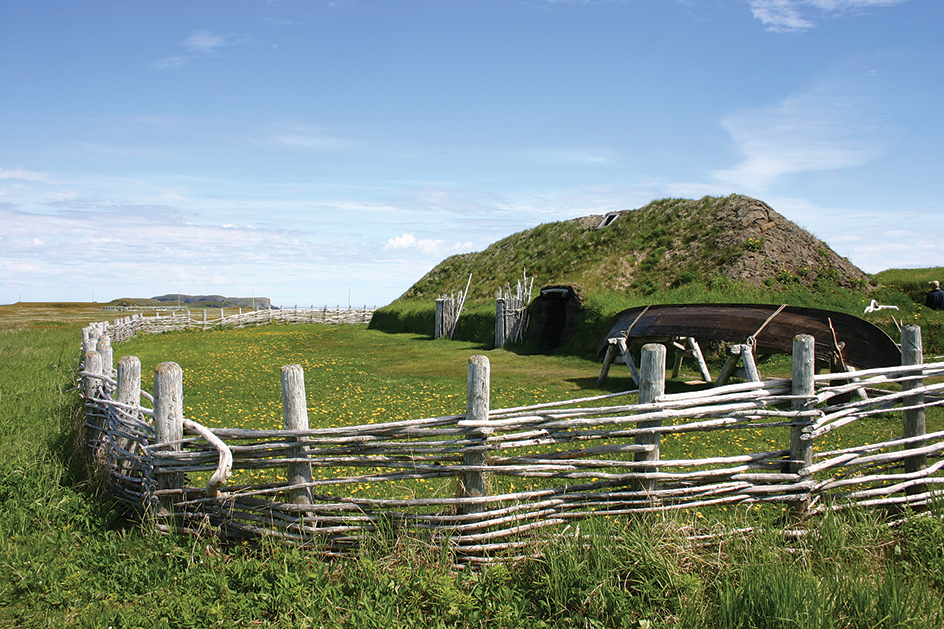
[(842, 341)]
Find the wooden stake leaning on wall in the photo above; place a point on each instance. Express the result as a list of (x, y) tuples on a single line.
[(499, 321), (475, 484), (511, 311), (295, 417), (169, 427), (912, 353), (440, 317), (458, 307), (651, 388), (801, 442)]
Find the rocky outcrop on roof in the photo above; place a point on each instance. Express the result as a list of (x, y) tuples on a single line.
[(757, 244)]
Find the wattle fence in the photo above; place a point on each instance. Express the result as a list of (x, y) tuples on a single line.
[(122, 329), (555, 463)]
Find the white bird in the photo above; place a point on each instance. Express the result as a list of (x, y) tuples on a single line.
[(874, 306)]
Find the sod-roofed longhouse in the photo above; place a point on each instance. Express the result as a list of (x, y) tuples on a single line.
[(666, 244)]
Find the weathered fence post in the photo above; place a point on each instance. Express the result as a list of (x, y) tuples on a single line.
[(103, 347), (129, 380), (169, 426), (94, 415), (90, 342), (912, 353), (474, 484), (801, 442), (499, 323), (651, 388), (295, 417), (92, 365), (129, 392)]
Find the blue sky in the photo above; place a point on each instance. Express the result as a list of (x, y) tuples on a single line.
[(317, 152)]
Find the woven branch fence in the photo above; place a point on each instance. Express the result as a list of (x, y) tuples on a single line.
[(430, 478), (124, 328)]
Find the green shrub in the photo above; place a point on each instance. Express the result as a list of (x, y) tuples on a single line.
[(406, 315)]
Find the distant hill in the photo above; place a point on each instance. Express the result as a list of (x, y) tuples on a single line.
[(665, 244), (198, 301), (215, 301)]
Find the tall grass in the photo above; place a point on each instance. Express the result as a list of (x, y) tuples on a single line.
[(68, 558)]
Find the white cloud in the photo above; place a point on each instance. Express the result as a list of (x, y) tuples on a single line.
[(171, 62), (401, 242), (425, 246), (780, 15), (17, 267), (835, 124), (795, 15), (23, 174), (879, 240), (576, 156), (202, 43), (310, 141), (295, 135)]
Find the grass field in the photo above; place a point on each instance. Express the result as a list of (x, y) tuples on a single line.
[(69, 558)]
